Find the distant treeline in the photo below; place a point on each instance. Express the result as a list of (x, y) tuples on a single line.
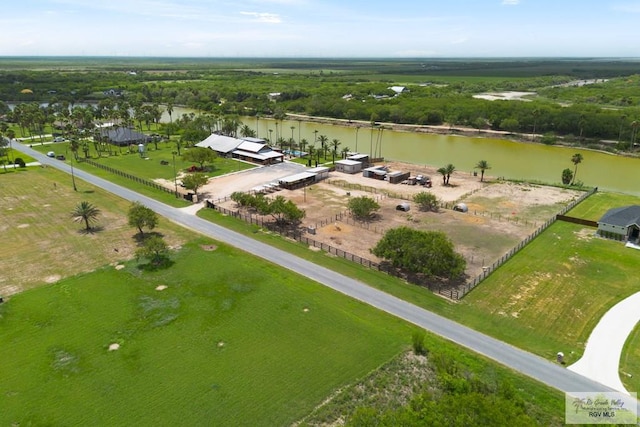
[(438, 92)]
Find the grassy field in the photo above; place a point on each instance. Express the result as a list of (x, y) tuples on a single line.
[(150, 166), (41, 243), (546, 299), (599, 203), (233, 340)]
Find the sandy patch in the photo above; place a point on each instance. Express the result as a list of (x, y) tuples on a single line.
[(209, 247), (119, 267), (23, 225), (52, 279), (505, 96), (161, 287), (113, 347)]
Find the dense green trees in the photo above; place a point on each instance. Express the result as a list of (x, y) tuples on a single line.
[(604, 110), (425, 252), (285, 212)]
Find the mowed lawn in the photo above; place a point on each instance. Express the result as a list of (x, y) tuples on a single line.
[(232, 340), (40, 241), (599, 203), (148, 167)]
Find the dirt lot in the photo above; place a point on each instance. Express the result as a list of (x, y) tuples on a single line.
[(500, 213)]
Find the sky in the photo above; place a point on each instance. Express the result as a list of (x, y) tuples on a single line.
[(321, 28)]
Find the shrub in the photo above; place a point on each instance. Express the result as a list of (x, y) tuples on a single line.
[(18, 161)]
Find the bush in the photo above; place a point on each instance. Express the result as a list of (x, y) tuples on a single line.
[(417, 342), (18, 161)]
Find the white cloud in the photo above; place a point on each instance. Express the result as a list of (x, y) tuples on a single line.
[(510, 2), (269, 18)]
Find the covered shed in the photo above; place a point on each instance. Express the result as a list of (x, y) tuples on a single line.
[(322, 172), (348, 166), (396, 177), (362, 158), (376, 172), (621, 223), (298, 180)]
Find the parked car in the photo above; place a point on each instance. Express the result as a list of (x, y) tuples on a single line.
[(58, 139), (51, 154)]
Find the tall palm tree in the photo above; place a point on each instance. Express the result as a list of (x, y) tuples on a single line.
[(303, 144), (323, 144), (634, 133), (576, 159), (170, 111), (86, 212), (483, 165)]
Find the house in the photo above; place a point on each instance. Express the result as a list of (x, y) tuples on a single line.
[(348, 166), (251, 149), (122, 136), (621, 223)]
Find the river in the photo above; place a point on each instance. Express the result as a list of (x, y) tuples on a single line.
[(508, 159)]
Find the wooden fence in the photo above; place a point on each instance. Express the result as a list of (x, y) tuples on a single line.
[(126, 175), (487, 270)]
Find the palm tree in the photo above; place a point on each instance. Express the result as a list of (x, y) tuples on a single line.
[(449, 169), (443, 172), (634, 133), (170, 111), (323, 144), (303, 144), (86, 212), (576, 159), (483, 165)]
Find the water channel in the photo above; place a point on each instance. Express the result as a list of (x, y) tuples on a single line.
[(511, 160)]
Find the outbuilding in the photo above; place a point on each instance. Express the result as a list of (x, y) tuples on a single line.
[(348, 166), (461, 207), (322, 172), (404, 206), (621, 223)]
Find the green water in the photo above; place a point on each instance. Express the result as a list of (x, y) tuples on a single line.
[(512, 160)]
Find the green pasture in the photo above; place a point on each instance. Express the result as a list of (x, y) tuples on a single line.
[(149, 166), (233, 340)]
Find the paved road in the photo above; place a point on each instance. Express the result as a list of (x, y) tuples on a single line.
[(519, 360)]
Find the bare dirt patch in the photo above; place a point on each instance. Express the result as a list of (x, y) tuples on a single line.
[(500, 214), (209, 248)]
